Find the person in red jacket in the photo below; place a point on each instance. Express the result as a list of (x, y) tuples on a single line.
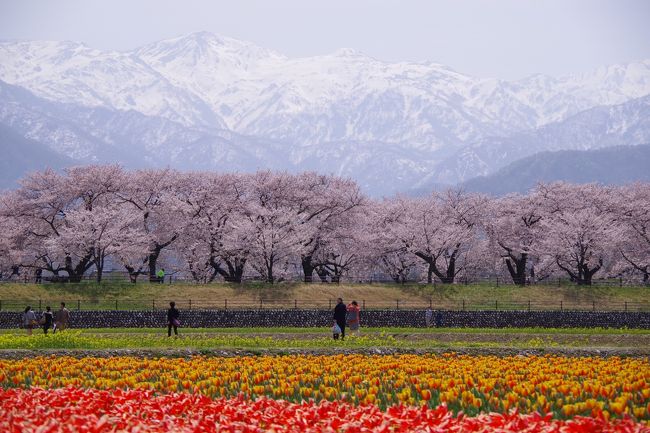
[(354, 317)]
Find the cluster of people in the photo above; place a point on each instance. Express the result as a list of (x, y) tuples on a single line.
[(58, 320), (346, 316)]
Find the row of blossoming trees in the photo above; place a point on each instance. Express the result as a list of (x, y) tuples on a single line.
[(276, 226)]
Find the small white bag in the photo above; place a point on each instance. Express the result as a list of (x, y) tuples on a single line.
[(336, 329)]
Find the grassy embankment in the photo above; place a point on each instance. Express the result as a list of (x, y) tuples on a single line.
[(288, 295)]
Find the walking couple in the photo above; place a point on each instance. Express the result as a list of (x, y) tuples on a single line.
[(343, 316)]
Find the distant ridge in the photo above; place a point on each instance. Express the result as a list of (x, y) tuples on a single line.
[(21, 156), (613, 165)]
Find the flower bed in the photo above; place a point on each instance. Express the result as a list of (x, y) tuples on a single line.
[(565, 387), (87, 410)]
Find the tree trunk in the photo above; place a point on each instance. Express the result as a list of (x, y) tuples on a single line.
[(518, 271), (99, 265), (322, 274), (133, 274), (431, 261), (75, 274), (153, 261), (235, 270), (588, 274), (269, 274), (307, 268)]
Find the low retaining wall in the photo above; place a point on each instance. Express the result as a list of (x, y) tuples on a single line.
[(314, 318)]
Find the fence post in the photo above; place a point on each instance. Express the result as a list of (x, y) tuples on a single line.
[(593, 305), (116, 304), (463, 305), (496, 304), (295, 304), (529, 305), (261, 304), (561, 307), (170, 279), (497, 281), (397, 302), (225, 304), (40, 307), (153, 304), (190, 304), (430, 303), (364, 304), (78, 304), (626, 306)]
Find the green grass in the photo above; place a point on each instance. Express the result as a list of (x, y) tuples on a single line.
[(320, 338), (123, 295)]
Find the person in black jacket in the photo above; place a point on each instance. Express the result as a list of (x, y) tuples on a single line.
[(48, 319), (340, 312), (172, 319)]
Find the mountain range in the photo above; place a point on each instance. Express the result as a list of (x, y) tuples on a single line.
[(611, 166), (208, 102)]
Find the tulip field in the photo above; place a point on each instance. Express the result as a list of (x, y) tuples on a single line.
[(350, 392)]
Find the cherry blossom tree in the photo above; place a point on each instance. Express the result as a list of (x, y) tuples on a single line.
[(631, 207), (104, 231), (279, 224), (512, 224), (440, 230), (211, 206), (342, 251), (152, 194), (10, 255), (578, 229), (385, 222), (270, 224), (39, 207), (323, 205)]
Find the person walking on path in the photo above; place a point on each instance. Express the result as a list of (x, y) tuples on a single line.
[(47, 319), (340, 312), (61, 318), (29, 320), (172, 319), (354, 317)]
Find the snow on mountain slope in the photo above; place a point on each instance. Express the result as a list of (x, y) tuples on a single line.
[(600, 127), (83, 135), (204, 101), (205, 79), (74, 73)]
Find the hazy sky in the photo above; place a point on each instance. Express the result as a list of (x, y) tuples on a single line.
[(507, 39)]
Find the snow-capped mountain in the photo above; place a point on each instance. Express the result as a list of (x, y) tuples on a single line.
[(212, 102), (74, 73), (96, 134), (596, 128)]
